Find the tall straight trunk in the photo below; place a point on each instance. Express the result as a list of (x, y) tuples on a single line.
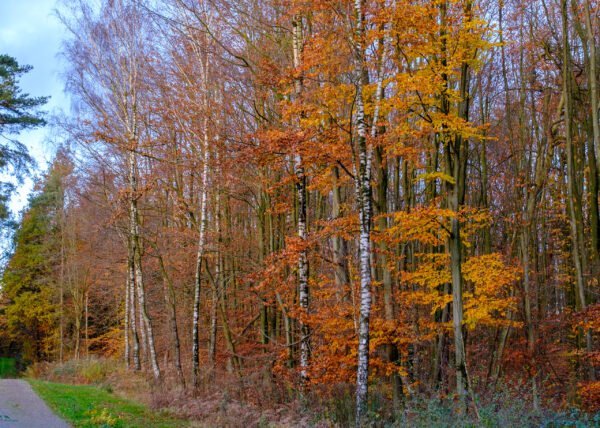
[(592, 78), (364, 199), (264, 203), (455, 249), (169, 295), (588, 42), (340, 248), (594, 209), (441, 343), (440, 347), (483, 164), (382, 180), (126, 321), (87, 324), (227, 334), (212, 342), (504, 333), (576, 221), (218, 285), (525, 249), (287, 325), (137, 263), (132, 314), (200, 258), (77, 334), (302, 195), (61, 289), (455, 148), (593, 82)]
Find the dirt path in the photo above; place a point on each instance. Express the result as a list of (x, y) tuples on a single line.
[(20, 407)]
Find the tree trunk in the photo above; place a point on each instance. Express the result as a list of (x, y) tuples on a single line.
[(302, 195), (364, 199), (340, 248), (137, 263), (132, 314), (576, 221), (170, 302), (199, 259)]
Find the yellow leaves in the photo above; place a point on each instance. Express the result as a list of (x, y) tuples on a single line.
[(431, 176), (488, 272), (432, 271), (450, 126), (427, 225), (489, 280), (431, 225), (487, 283)]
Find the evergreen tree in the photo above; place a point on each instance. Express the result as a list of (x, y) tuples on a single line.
[(29, 306), (18, 111)]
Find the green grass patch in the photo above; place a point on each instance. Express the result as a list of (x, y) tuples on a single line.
[(8, 367), (90, 406)]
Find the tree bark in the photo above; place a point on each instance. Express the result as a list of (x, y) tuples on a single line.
[(576, 221), (137, 263), (364, 199), (302, 195), (200, 258)]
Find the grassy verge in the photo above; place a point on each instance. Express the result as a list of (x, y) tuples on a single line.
[(8, 367), (90, 406)]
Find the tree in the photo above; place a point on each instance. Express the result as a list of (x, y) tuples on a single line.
[(31, 289), (18, 112)]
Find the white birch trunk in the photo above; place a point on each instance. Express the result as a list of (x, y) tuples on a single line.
[(126, 329), (132, 316), (301, 193), (364, 211), (137, 265), (201, 245)]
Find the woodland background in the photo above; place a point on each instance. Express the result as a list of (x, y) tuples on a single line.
[(297, 201)]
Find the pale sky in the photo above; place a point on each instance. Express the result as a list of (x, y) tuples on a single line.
[(31, 32)]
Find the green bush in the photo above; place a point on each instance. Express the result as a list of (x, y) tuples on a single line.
[(8, 367)]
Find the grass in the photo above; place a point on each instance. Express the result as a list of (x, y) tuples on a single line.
[(8, 367), (90, 406)]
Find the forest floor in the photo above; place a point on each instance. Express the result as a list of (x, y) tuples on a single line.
[(92, 406)]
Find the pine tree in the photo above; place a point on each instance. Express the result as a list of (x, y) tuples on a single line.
[(18, 111)]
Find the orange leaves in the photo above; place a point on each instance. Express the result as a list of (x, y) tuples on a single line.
[(588, 319), (589, 393)]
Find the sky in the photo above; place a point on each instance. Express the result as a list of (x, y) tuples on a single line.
[(31, 32)]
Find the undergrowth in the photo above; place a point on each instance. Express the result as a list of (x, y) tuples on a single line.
[(258, 400)]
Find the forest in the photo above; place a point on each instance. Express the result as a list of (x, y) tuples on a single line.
[(349, 208)]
